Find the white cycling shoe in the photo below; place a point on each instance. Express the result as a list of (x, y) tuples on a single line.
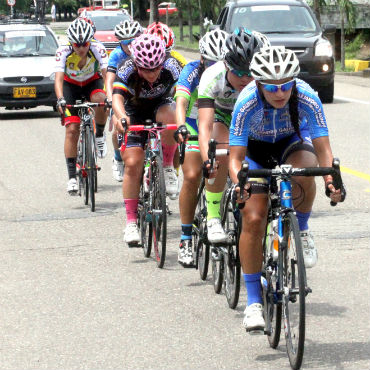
[(253, 321), (101, 143), (216, 233), (118, 169), (310, 254), (185, 255), (171, 181), (72, 186), (132, 236)]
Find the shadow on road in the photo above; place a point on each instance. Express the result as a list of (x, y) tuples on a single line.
[(325, 309), (26, 114)]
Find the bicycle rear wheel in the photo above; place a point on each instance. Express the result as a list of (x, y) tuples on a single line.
[(159, 210), (271, 299), (145, 222), (217, 269), (83, 167), (201, 245), (231, 257), (294, 278), (91, 167)]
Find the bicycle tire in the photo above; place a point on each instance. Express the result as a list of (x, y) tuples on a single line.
[(271, 300), (83, 168), (91, 167), (217, 270), (231, 267), (79, 166), (95, 167), (294, 278), (159, 210), (200, 240), (145, 223)]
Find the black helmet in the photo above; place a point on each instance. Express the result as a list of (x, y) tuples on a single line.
[(239, 49)]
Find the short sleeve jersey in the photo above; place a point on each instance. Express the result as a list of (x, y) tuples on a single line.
[(255, 118), (214, 86), (187, 86), (67, 61), (127, 76), (115, 59)]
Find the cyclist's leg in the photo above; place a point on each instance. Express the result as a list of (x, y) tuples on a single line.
[(192, 172), (72, 125), (165, 113), (214, 191), (95, 91), (303, 190)]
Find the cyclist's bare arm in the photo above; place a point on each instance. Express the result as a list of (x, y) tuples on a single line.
[(120, 112), (325, 158), (236, 157), (104, 74), (110, 77), (181, 108), (206, 118), (58, 84)]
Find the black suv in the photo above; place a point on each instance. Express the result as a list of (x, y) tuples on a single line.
[(290, 23)]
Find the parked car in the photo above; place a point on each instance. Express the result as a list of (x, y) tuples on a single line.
[(290, 23), (164, 7), (27, 56), (105, 21)]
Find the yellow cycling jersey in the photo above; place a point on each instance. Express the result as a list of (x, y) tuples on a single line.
[(67, 61)]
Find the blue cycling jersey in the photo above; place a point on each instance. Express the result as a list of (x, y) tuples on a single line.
[(115, 59), (255, 118)]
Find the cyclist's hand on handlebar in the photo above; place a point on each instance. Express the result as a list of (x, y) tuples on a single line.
[(61, 104), (336, 195), (208, 172), (122, 125), (181, 134)]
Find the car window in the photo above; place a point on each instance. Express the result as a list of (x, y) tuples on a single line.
[(27, 43), (107, 23), (273, 19)]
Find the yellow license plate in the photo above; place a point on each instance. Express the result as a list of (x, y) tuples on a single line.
[(24, 92)]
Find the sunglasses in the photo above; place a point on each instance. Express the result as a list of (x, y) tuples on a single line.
[(83, 45), (207, 63), (240, 74), (150, 69), (126, 42), (274, 88)]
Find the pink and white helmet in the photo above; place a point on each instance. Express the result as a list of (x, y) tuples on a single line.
[(148, 51)]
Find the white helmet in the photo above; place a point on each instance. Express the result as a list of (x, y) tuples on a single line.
[(80, 31), (127, 29), (274, 63), (265, 41), (212, 43)]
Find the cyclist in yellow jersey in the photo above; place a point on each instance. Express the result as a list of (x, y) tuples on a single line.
[(80, 72)]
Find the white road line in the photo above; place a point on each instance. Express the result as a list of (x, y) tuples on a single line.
[(352, 100)]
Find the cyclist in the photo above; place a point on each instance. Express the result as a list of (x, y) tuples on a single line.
[(276, 116), (142, 90), (167, 35), (125, 31), (211, 48), (219, 88), (80, 73)]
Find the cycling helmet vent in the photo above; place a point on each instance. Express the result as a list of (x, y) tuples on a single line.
[(80, 31), (127, 29), (274, 63), (212, 43)]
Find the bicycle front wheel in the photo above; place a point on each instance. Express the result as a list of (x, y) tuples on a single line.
[(217, 269), (145, 221), (294, 278), (159, 210), (91, 167)]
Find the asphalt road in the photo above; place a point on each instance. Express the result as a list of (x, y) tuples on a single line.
[(73, 296)]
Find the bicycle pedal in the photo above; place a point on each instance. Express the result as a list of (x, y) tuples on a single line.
[(134, 245), (98, 168), (255, 331), (308, 290)]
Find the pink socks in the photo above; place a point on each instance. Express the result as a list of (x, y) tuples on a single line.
[(168, 154), (131, 210)]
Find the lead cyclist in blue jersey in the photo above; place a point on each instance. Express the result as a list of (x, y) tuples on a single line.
[(126, 32), (278, 116)]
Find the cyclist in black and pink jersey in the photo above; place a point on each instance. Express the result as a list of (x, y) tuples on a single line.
[(80, 71), (143, 89)]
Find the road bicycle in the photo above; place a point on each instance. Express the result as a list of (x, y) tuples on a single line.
[(152, 207), (87, 166), (284, 283)]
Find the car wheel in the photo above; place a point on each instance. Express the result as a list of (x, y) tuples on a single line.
[(326, 94)]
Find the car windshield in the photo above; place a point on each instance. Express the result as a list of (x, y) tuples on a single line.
[(108, 22), (274, 19), (27, 43)]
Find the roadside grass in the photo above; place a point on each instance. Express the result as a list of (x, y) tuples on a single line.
[(338, 68), (353, 47), (186, 43)]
